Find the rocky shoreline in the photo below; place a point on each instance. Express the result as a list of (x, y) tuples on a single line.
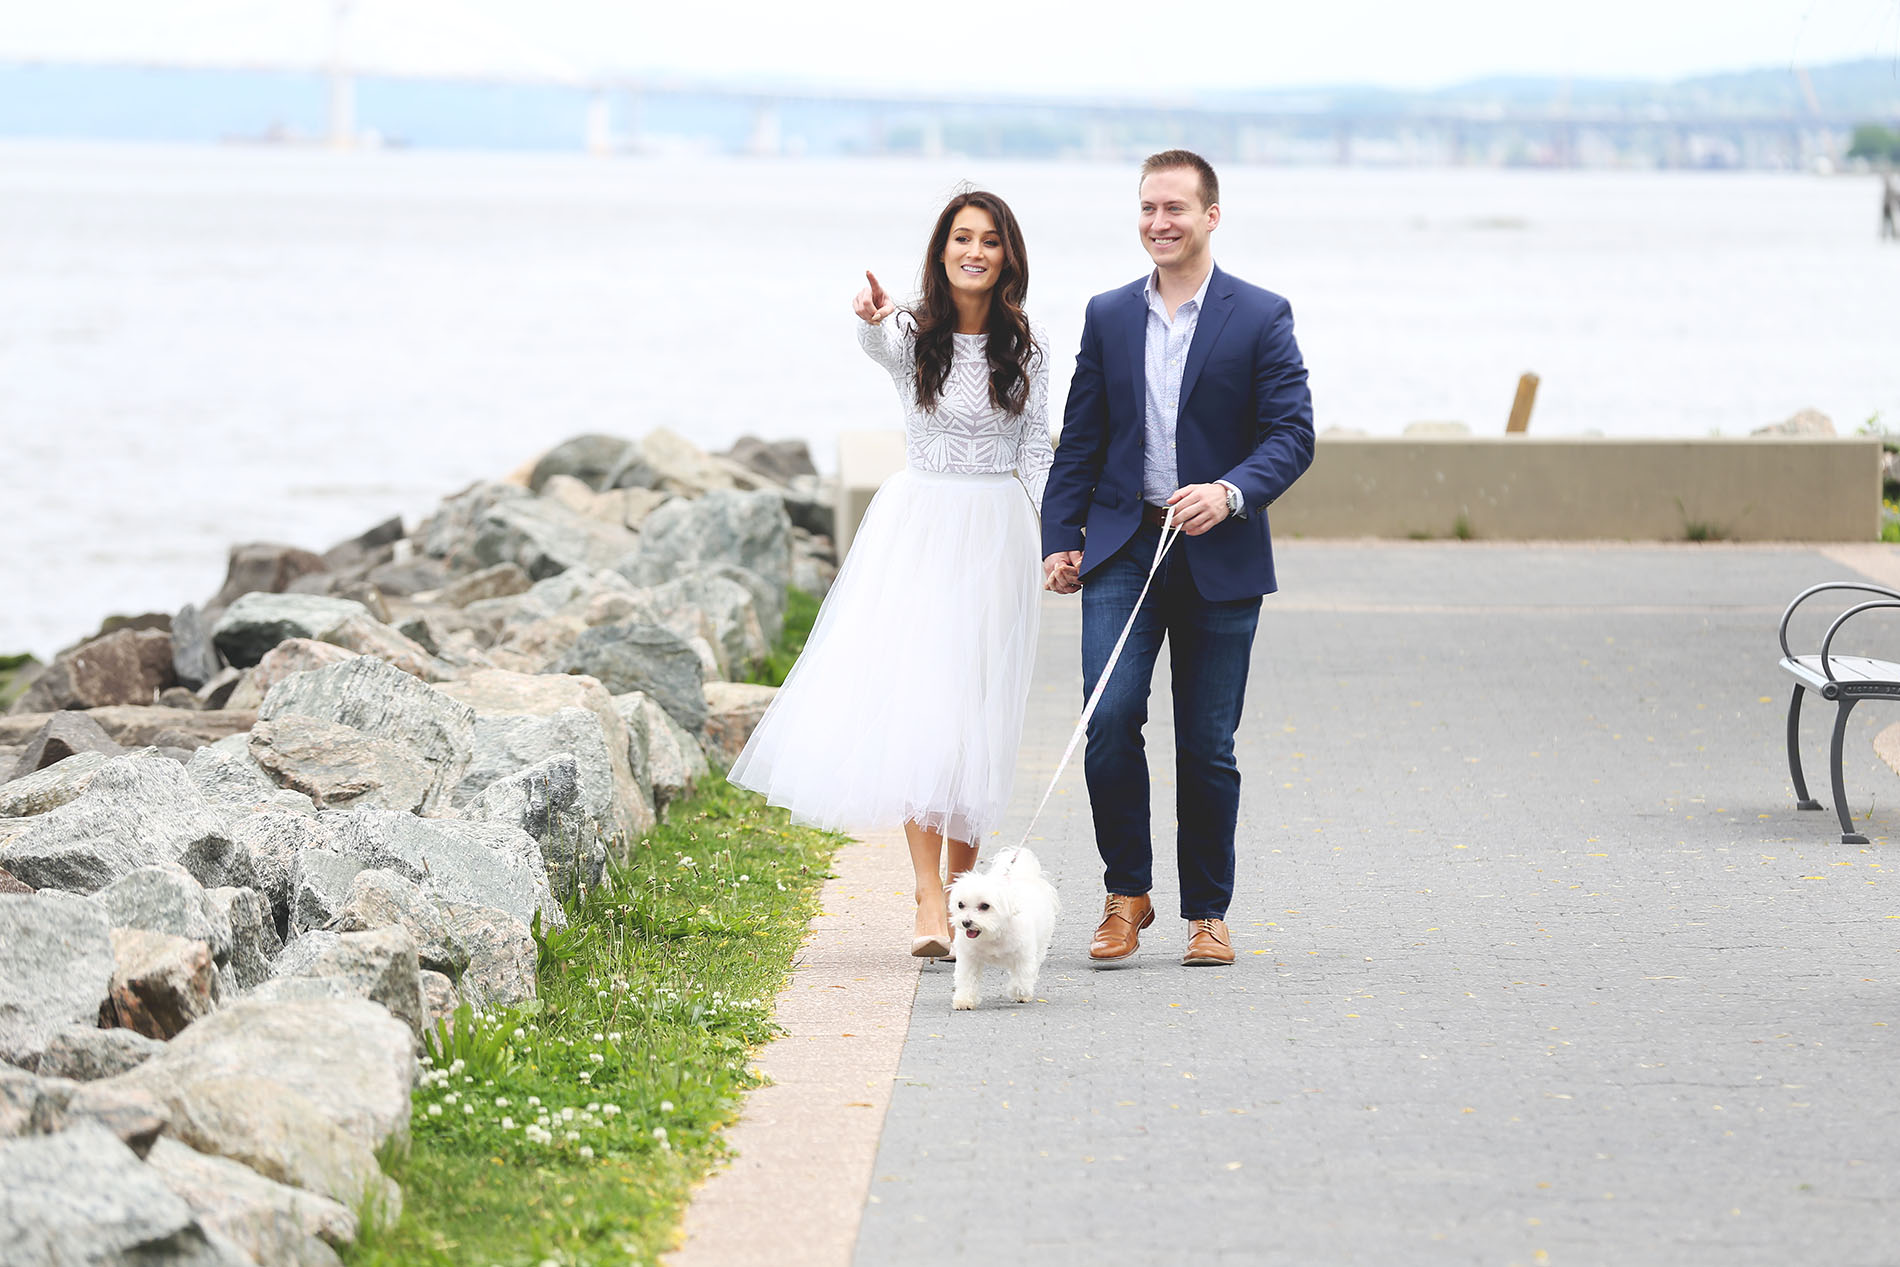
[(250, 850)]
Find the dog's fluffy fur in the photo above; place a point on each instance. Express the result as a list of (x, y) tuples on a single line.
[(1006, 917)]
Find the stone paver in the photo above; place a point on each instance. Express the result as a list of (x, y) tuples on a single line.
[(1537, 961)]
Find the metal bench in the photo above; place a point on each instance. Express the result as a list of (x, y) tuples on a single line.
[(1846, 680)]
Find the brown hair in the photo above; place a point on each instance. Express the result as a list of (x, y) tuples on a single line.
[(1011, 346), (1170, 160)]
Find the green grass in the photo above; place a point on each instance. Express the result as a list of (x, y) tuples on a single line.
[(801, 609), (571, 1129)]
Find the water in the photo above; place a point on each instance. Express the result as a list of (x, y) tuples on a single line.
[(202, 345)]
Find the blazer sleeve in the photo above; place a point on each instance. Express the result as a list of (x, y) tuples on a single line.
[(1284, 414), (1082, 450)]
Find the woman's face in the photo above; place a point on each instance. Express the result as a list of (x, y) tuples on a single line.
[(973, 255)]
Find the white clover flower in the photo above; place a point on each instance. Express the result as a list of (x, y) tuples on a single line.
[(567, 1115), (468, 1082), (586, 1076), (744, 878), (572, 1136), (596, 1057), (534, 1099), (426, 1061), (520, 1034), (435, 1110), (507, 1124), (501, 1101), (666, 1106), (468, 1108), (610, 1110), (587, 1154), (659, 1132), (602, 995), (614, 1037), (593, 1106), (457, 1065), (600, 1038), (451, 1097)]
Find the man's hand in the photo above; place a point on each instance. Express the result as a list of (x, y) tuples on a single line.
[(1198, 507), (872, 304), (1061, 572)]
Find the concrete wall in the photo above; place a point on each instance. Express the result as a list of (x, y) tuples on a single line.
[(1756, 488)]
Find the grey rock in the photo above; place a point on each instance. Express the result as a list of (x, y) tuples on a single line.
[(378, 964), (749, 529), (546, 538), (385, 899), (320, 880), (160, 983), (814, 512), (501, 955), (86, 1053), (733, 710), (338, 766), (449, 534), (678, 465), (65, 734), (729, 611), (271, 1222), (254, 939), (439, 999), (255, 623), (628, 507), (55, 969), (227, 774), (264, 567), (292, 655), (599, 461), (126, 666), (369, 544), (499, 581), (302, 1092), (522, 719), (641, 657), (675, 759), (1806, 422), (134, 812), (380, 700), (544, 802), (82, 1196), (180, 697), (412, 576), (32, 1104), (216, 692), (194, 659), (276, 839), (780, 460), (165, 899), (478, 864), (51, 787)]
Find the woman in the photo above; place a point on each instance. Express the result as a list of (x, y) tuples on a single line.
[(907, 704)]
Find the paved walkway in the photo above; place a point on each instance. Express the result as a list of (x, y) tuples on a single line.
[(1537, 961)]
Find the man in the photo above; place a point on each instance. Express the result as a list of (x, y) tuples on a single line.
[(1189, 393)]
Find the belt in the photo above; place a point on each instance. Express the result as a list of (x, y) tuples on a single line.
[(1156, 515)]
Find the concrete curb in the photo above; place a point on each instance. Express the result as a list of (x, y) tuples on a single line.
[(794, 1191)]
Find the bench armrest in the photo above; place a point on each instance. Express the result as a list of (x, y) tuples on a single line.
[(1835, 628), (1811, 591)]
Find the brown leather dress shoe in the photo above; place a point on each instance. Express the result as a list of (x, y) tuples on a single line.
[(1210, 944), (1119, 934)]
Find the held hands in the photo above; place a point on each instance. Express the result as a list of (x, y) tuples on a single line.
[(1198, 507), (1060, 572), (872, 304)]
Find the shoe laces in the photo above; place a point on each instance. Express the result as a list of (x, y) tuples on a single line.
[(1205, 925)]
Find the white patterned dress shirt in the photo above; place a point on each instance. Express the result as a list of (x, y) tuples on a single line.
[(1165, 354)]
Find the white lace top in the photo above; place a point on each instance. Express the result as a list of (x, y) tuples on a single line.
[(965, 434)]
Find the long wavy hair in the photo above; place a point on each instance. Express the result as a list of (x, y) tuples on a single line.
[(1011, 346)]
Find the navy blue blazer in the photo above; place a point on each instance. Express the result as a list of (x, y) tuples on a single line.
[(1246, 417)]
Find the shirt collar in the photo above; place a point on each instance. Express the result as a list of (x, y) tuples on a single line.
[(1151, 294)]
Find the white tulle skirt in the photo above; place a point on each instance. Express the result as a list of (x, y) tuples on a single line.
[(907, 702)]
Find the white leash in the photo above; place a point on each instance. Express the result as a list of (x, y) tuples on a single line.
[(1168, 535)]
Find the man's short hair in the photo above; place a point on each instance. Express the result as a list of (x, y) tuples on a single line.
[(1169, 160)]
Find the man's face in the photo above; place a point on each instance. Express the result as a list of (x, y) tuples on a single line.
[(1174, 225)]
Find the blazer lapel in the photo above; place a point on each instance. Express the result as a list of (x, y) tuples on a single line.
[(1220, 306), (1137, 336)]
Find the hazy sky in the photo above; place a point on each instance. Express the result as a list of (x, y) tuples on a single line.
[(1028, 46)]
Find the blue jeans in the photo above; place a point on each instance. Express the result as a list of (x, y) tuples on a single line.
[(1209, 647)]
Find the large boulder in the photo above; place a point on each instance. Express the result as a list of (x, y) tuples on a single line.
[(82, 1196), (384, 899), (675, 760), (503, 580), (64, 735), (598, 461), (1805, 422), (725, 609), (449, 534), (127, 666), (523, 719), (272, 1222), (160, 983), (85, 1053), (303, 1092), (379, 700), (55, 969), (264, 567), (276, 840), (733, 710), (378, 964), (635, 656), (255, 623), (194, 659), (135, 812), (254, 938), (228, 774), (780, 460), (749, 529), (678, 465), (478, 864), (546, 538), (337, 766), (501, 955), (165, 899), (292, 655), (51, 787)]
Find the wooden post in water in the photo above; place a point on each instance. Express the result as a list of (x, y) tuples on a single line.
[(1521, 407)]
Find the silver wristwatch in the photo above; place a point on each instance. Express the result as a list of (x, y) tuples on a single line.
[(1233, 499)]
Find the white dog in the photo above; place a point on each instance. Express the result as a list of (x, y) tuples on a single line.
[(1005, 916)]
